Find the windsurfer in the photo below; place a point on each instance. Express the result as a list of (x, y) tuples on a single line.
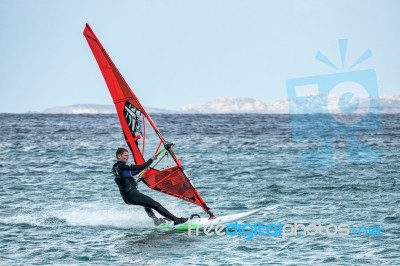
[(124, 177)]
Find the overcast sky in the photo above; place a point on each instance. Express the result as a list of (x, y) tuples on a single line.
[(174, 53)]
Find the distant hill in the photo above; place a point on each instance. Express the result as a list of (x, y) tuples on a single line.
[(227, 105), (81, 109), (94, 109), (302, 105)]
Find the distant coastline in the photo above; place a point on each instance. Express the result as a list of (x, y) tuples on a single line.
[(94, 109), (305, 105)]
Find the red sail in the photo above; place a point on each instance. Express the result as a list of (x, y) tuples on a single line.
[(172, 180)]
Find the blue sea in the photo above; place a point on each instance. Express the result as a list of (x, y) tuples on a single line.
[(60, 205)]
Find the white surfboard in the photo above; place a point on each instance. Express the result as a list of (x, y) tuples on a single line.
[(196, 222)]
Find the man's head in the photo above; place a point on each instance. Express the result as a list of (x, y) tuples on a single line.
[(122, 155)]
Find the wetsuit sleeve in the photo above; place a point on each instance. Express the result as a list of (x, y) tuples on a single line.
[(135, 167)]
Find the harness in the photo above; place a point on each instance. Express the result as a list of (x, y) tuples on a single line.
[(122, 173), (124, 179)]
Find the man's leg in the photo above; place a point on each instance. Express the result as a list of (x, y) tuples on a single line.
[(137, 198), (150, 212), (157, 221)]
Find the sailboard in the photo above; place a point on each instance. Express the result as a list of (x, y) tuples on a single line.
[(198, 222), (142, 136)]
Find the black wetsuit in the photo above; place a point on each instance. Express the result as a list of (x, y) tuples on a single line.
[(128, 188)]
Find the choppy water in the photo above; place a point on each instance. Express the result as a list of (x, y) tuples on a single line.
[(60, 205)]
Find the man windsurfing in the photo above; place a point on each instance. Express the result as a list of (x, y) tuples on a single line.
[(124, 177), (134, 119)]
